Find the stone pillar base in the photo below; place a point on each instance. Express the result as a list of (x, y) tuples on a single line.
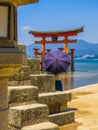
[(3, 104)]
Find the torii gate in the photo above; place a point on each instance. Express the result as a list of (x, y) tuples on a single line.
[(55, 35)]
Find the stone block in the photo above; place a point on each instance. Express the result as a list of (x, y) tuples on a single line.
[(28, 115), (45, 83), (13, 128), (22, 74), (13, 83), (56, 101), (54, 97), (62, 118), (34, 65), (25, 82), (57, 107), (22, 47), (3, 93), (42, 126), (22, 94), (4, 120), (19, 83), (54, 108), (63, 107), (12, 56)]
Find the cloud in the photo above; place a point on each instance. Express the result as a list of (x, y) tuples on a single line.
[(23, 36), (26, 28)]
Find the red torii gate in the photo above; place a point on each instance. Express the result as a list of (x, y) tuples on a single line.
[(54, 35)]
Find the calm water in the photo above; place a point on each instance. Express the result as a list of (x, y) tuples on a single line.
[(86, 72)]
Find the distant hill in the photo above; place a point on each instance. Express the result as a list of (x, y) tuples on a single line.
[(81, 48)]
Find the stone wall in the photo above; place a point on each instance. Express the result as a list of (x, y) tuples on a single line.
[(34, 65), (22, 47), (44, 82), (22, 77)]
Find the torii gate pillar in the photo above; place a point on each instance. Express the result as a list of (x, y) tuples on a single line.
[(72, 59)]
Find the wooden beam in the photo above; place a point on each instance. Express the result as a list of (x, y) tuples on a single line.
[(57, 34), (57, 42), (49, 42)]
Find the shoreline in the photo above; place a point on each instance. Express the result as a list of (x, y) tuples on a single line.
[(81, 87), (85, 100)]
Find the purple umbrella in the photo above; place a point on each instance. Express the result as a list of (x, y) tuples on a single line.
[(56, 62)]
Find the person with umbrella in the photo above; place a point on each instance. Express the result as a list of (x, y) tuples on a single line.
[(56, 62)]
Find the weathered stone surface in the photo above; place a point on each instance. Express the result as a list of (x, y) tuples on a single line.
[(54, 97), (8, 70), (13, 83), (45, 83), (42, 126), (56, 101), (28, 115), (13, 128), (22, 74), (12, 57), (22, 47), (3, 93), (22, 94), (54, 108), (19, 83), (62, 118), (22, 77), (57, 108), (63, 107), (34, 66), (4, 120)]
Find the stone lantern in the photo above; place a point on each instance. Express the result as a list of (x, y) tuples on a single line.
[(11, 57)]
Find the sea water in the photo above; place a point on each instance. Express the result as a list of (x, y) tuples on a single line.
[(86, 73)]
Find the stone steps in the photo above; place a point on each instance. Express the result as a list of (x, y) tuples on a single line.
[(42, 126), (57, 104), (56, 101), (28, 115), (19, 95), (24, 111)]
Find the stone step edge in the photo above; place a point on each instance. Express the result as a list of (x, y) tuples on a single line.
[(22, 94), (60, 97), (62, 118), (31, 106), (42, 126), (20, 116)]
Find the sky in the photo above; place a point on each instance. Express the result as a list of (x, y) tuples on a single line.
[(48, 15)]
